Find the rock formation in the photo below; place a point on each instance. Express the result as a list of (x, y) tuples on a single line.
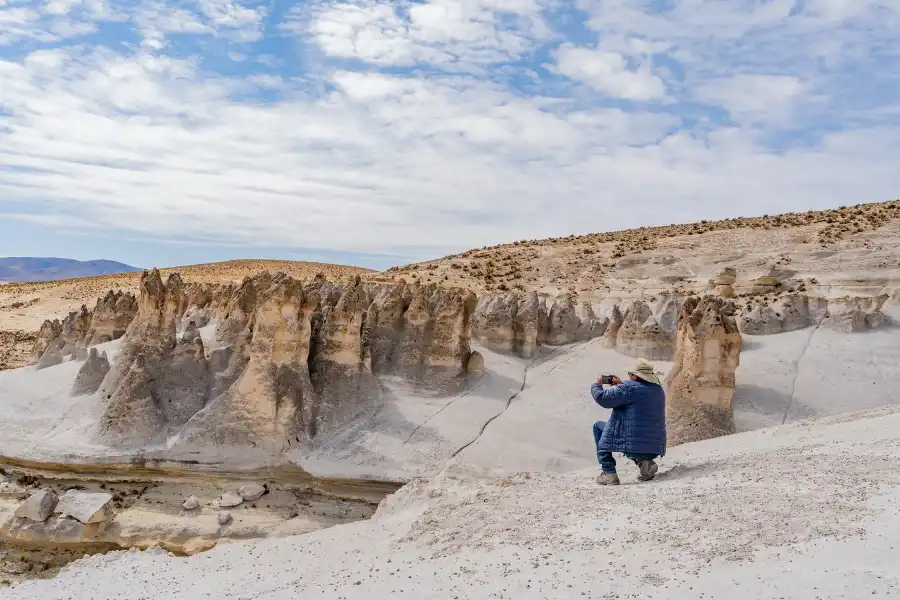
[(615, 318), (74, 329), (511, 322), (157, 380), (289, 362), (724, 282), (110, 318), (791, 312), (700, 386), (47, 335), (853, 315), (51, 357), (83, 328), (494, 322), (642, 335), (91, 374), (563, 322)]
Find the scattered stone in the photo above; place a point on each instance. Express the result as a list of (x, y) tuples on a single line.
[(252, 491), (86, 507), (191, 503), (12, 490), (38, 507), (224, 517), (230, 499)]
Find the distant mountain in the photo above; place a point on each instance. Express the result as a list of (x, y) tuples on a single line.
[(29, 269)]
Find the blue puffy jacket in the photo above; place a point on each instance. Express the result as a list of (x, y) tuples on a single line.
[(638, 421)]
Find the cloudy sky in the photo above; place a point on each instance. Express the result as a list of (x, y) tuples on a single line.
[(379, 132)]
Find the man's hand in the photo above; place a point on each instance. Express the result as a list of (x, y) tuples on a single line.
[(616, 380)]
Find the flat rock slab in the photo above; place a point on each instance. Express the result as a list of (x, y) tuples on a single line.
[(252, 491), (38, 507), (86, 507), (230, 499)]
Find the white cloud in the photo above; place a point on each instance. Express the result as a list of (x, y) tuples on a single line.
[(452, 34), (753, 97), (446, 131), (609, 72)]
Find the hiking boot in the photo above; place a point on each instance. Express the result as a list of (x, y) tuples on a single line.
[(648, 470), (608, 479)]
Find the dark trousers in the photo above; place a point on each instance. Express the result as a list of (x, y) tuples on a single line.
[(606, 460)]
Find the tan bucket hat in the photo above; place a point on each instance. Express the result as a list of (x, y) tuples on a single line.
[(644, 370)]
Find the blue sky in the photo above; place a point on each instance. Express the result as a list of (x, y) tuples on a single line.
[(378, 133)]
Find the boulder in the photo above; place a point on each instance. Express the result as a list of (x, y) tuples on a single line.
[(86, 507), (39, 506), (91, 374), (230, 500), (192, 503), (252, 491), (223, 517), (475, 364), (726, 276), (700, 386), (725, 291)]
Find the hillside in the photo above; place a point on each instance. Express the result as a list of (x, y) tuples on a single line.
[(29, 269), (855, 246)]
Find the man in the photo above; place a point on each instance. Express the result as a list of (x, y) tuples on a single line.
[(637, 427)]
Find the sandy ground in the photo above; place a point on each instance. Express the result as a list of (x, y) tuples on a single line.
[(808, 510)]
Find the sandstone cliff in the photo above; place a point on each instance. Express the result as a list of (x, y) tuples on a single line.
[(700, 386)]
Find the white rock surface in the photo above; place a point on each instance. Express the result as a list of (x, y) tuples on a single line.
[(86, 507), (799, 511), (251, 491), (230, 499), (38, 507), (223, 517), (191, 503)]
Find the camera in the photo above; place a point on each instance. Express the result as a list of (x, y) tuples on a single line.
[(606, 379)]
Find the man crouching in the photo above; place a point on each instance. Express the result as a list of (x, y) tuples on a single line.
[(637, 426)]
